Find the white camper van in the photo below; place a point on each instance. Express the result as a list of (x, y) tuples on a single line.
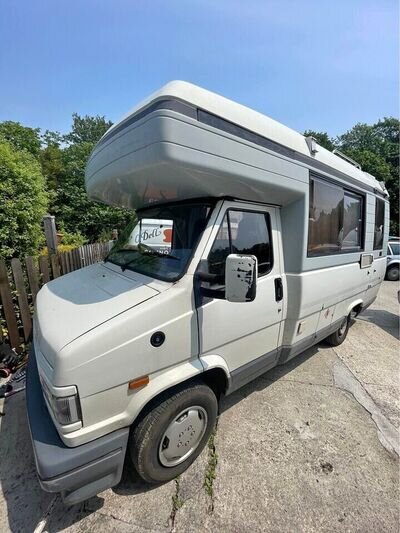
[(270, 244)]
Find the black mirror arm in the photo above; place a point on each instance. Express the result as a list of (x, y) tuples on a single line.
[(218, 294), (209, 278)]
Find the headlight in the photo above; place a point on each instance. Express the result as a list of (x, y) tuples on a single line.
[(66, 409)]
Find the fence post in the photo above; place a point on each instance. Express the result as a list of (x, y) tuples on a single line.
[(32, 271), (55, 266), (44, 268), (50, 233), (22, 297), (8, 307)]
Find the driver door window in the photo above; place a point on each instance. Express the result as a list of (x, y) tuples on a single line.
[(242, 232)]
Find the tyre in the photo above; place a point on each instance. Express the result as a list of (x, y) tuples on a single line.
[(337, 337), (170, 437), (392, 273)]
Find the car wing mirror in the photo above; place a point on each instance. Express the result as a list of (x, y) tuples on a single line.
[(240, 278)]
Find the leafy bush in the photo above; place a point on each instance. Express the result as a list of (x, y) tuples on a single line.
[(23, 202), (60, 248), (72, 239)]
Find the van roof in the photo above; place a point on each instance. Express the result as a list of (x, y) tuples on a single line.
[(255, 122)]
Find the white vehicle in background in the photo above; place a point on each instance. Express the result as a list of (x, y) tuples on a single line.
[(250, 244), (393, 259)]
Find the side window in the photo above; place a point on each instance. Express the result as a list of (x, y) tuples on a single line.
[(325, 214), (242, 232), (379, 223), (250, 235), (335, 221)]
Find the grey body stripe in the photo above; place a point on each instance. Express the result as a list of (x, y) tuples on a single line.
[(251, 370), (169, 103), (239, 131), (205, 117)]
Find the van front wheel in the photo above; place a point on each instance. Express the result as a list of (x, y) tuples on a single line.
[(171, 436), (338, 336)]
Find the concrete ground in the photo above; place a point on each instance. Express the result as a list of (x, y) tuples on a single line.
[(310, 446)]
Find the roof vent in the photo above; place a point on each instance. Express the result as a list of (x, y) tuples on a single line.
[(312, 145), (346, 158), (383, 185)]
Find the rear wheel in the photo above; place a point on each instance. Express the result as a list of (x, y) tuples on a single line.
[(171, 436), (392, 273), (338, 336)]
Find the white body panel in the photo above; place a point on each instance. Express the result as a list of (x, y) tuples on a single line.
[(93, 327)]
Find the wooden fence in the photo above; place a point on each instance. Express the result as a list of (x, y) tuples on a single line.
[(20, 282)]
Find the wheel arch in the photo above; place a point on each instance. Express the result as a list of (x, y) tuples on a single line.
[(213, 375), (356, 306)]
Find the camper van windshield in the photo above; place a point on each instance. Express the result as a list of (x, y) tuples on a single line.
[(160, 241)]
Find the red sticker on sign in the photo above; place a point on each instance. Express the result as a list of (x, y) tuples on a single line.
[(167, 235)]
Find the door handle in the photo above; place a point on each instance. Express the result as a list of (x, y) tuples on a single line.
[(278, 289)]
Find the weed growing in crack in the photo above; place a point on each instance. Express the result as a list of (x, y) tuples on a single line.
[(177, 501), (210, 474)]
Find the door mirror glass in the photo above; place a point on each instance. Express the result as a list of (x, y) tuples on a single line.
[(240, 278)]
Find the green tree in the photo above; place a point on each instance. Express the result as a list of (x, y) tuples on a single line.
[(372, 163), (322, 138), (87, 129), (52, 138), (376, 148), (21, 137), (51, 160), (73, 210), (23, 202)]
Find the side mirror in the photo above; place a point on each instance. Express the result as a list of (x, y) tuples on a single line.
[(240, 278)]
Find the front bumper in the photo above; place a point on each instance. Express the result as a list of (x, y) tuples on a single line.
[(77, 473)]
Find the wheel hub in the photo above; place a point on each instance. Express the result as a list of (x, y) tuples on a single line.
[(182, 436)]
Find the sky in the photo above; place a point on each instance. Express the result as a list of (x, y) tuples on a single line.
[(312, 64)]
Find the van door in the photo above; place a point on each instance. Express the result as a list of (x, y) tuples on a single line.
[(247, 335)]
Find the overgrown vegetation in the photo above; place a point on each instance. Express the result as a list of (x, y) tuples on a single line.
[(45, 172), (23, 201)]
